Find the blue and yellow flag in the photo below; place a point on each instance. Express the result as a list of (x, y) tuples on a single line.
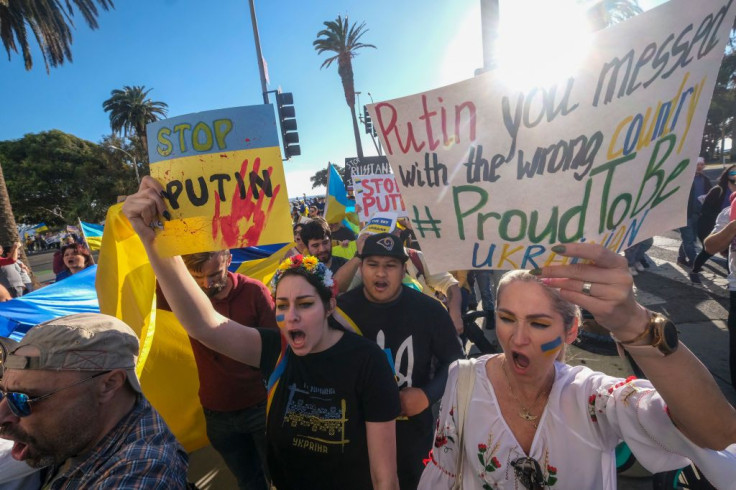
[(337, 203), (92, 235), (126, 288)]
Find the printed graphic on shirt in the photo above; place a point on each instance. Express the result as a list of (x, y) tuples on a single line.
[(318, 418), (403, 363)]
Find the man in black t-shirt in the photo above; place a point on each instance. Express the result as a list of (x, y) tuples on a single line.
[(412, 329), (316, 235)]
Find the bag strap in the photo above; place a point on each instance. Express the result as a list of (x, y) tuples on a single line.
[(465, 382)]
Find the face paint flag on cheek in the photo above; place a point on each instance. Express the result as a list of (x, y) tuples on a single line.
[(552, 347)]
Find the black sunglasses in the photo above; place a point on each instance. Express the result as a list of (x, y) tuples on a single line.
[(733, 181), (20, 403), (529, 473)]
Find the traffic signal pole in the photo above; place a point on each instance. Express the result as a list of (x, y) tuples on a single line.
[(261, 66)]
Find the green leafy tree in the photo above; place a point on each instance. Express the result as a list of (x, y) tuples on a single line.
[(320, 177), (344, 40), (50, 23), (130, 110), (54, 177)]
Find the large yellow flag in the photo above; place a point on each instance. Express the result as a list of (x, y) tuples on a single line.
[(126, 288)]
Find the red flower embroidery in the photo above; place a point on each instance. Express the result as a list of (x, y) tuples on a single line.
[(482, 448), (496, 462), (440, 441)]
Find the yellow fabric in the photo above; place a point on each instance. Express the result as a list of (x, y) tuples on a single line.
[(345, 252), (263, 269), (126, 288), (94, 242)]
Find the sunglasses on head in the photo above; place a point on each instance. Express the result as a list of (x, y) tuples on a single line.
[(20, 403), (528, 473)]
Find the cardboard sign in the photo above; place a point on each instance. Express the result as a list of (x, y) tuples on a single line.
[(378, 193), (380, 223), (224, 178), (364, 166), (498, 175)]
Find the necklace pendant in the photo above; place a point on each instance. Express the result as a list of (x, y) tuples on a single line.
[(526, 415)]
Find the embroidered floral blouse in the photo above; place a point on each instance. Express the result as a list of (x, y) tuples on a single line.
[(587, 415)]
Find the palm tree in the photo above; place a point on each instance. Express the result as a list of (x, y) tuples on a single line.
[(130, 111), (606, 13), (50, 24), (343, 40)]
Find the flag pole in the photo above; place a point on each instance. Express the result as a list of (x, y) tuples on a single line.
[(84, 237)]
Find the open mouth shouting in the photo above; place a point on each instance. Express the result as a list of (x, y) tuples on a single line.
[(519, 361), (297, 338)]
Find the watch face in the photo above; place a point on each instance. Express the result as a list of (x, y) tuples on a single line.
[(670, 335)]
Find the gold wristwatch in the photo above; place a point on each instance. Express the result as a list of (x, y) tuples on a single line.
[(662, 334)]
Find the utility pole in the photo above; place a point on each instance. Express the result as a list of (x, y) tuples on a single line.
[(489, 29), (261, 67)]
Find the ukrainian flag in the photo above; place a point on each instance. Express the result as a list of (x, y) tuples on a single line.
[(92, 235), (41, 227), (338, 204)]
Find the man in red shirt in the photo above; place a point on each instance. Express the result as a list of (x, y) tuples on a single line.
[(232, 394)]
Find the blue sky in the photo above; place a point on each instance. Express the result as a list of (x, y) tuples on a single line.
[(199, 56)]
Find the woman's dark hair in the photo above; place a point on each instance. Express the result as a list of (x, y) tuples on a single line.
[(723, 178), (324, 293), (79, 249)]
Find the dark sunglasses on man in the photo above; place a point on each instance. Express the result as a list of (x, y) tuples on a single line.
[(20, 403)]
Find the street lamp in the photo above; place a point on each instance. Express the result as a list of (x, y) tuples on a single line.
[(132, 158)]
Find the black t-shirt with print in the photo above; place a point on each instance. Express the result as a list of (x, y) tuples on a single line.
[(413, 329), (316, 422)]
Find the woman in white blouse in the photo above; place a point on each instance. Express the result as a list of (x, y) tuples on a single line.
[(534, 422)]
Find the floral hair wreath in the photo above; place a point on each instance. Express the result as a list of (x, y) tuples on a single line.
[(309, 264)]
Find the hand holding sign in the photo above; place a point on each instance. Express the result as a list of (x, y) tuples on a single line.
[(499, 175)]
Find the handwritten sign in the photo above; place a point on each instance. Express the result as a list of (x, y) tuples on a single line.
[(364, 166), (224, 180), (497, 175), (377, 193)]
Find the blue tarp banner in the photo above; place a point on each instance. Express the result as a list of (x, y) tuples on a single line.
[(75, 294)]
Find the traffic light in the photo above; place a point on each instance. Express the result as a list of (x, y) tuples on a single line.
[(287, 120), (367, 121), (369, 129)]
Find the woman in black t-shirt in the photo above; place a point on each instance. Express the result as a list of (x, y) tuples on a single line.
[(332, 398)]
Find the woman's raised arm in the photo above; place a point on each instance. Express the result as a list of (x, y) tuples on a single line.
[(188, 302), (603, 286)]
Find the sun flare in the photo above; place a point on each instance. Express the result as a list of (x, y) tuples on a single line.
[(540, 42)]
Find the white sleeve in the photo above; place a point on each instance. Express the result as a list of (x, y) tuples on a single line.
[(439, 282), (634, 411), (723, 218), (440, 470)]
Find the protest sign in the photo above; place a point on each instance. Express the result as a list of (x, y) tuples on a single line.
[(380, 223), (224, 180), (498, 175), (364, 166), (377, 193)]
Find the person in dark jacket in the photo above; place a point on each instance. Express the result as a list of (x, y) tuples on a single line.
[(717, 198)]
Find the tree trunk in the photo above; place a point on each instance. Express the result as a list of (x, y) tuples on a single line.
[(358, 144), (8, 228)]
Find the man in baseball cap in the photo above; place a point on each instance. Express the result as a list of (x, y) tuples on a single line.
[(413, 329), (71, 403)]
